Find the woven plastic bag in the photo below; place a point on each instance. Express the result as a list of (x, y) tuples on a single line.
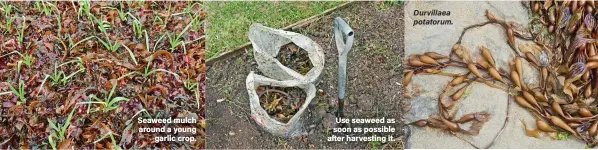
[(294, 127), (266, 45)]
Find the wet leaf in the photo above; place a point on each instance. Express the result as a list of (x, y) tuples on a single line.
[(8, 104), (589, 22)]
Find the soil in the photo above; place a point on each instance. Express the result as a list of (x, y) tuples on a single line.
[(374, 87), (64, 77)]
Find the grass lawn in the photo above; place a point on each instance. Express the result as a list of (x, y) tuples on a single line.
[(229, 21)]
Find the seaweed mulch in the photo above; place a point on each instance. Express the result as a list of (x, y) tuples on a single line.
[(79, 74)]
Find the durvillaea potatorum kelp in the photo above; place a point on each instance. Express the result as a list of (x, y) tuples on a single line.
[(566, 68)]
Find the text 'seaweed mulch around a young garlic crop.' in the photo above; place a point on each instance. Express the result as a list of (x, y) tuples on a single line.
[(564, 52), (97, 75)]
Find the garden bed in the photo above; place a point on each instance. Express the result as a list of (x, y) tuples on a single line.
[(374, 89)]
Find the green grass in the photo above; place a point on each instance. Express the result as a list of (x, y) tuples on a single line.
[(230, 21), (149, 71), (109, 103), (60, 132), (19, 91)]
